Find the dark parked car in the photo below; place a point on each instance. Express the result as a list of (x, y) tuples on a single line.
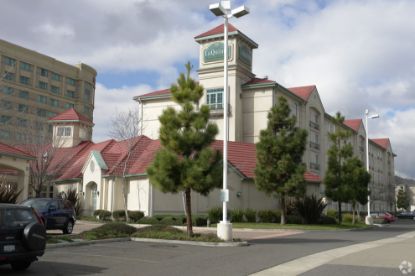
[(22, 236), (55, 213), (406, 215)]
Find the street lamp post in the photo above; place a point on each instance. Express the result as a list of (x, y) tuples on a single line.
[(223, 8), (368, 219)]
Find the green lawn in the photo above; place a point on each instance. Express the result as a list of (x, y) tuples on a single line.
[(299, 226)]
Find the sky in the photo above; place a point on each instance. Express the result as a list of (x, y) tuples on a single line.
[(359, 53)]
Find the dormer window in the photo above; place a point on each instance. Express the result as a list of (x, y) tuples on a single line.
[(64, 131)]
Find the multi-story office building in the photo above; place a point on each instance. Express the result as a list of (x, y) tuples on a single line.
[(251, 98), (35, 87)]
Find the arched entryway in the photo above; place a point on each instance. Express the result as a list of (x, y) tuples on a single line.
[(91, 197)]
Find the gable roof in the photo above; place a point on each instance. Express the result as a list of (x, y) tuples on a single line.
[(353, 124), (382, 142), (155, 94), (14, 152), (217, 32), (70, 115), (304, 92), (259, 81)]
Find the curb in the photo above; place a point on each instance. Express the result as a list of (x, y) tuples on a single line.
[(196, 243), (81, 243)]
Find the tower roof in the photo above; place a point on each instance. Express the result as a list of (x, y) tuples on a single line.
[(71, 115)]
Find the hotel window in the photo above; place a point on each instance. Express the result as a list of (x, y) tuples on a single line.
[(23, 108), (44, 72), (4, 134), (68, 105), (39, 125), (56, 77), (5, 119), (24, 80), (64, 131), (8, 90), (54, 89), (21, 122), (54, 102), (26, 66), (42, 99), (43, 85), (24, 94), (8, 105), (215, 98), (71, 81), (87, 95), (9, 61), (41, 112), (70, 94), (9, 76)]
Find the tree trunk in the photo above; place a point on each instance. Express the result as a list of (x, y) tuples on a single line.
[(125, 196), (283, 209), (189, 212), (353, 212), (340, 211)]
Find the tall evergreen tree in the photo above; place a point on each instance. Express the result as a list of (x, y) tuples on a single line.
[(346, 180), (403, 199), (186, 161), (279, 168)]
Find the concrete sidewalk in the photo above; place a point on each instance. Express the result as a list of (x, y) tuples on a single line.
[(391, 256)]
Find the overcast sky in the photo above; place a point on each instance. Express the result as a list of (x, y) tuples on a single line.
[(360, 54)]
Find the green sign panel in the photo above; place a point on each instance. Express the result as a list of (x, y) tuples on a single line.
[(245, 54), (215, 52)]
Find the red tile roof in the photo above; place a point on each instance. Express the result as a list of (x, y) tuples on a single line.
[(382, 142), (258, 80), (12, 151), (217, 30), (155, 93), (70, 115), (303, 92), (353, 124)]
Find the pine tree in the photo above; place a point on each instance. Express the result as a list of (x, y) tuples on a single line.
[(186, 162), (403, 199), (279, 168), (346, 180)]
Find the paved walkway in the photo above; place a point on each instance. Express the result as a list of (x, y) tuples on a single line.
[(391, 256)]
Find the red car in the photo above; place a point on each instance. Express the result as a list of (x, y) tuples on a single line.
[(385, 217)]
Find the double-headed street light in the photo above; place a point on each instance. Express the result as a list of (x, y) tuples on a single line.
[(223, 8), (368, 219)]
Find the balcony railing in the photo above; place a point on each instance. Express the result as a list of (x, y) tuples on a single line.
[(314, 166), (314, 125), (314, 145)]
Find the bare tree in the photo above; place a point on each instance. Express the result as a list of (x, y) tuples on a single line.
[(126, 126)]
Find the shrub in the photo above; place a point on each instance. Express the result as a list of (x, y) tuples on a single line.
[(294, 219), (250, 215), (168, 220), (7, 194), (237, 215), (348, 218), (310, 208), (269, 216), (72, 196), (215, 214), (149, 220), (200, 221), (332, 213), (102, 214), (135, 215), (118, 215), (109, 230), (327, 220)]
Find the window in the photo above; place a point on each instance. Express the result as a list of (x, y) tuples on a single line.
[(24, 80), (21, 122), (43, 85), (23, 108), (68, 105), (9, 61), (26, 66), (87, 110), (7, 90), (23, 94), (4, 134), (56, 77), (87, 95), (215, 98), (71, 81), (70, 94), (64, 131), (54, 102), (5, 119), (6, 104), (44, 72), (9, 76), (54, 89), (42, 99), (39, 125), (41, 112)]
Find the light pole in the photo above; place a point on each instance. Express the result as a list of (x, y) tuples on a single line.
[(368, 219), (223, 8)]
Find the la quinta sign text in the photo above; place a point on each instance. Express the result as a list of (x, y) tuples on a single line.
[(214, 52)]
